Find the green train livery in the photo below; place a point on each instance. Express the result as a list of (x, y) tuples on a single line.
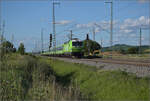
[(72, 47)]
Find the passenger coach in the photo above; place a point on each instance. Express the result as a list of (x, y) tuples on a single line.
[(72, 47)]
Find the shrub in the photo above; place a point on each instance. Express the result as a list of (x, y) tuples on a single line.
[(90, 46), (21, 49), (133, 50)]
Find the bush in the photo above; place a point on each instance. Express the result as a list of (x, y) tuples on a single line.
[(7, 47), (122, 51), (21, 49), (133, 50), (90, 46)]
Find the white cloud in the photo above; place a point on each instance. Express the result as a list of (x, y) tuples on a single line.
[(133, 35), (88, 25), (99, 26), (143, 1), (128, 31), (132, 25), (64, 22), (97, 29)]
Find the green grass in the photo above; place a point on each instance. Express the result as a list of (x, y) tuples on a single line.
[(25, 77), (104, 85)]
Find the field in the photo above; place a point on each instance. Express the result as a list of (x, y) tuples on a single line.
[(25, 77)]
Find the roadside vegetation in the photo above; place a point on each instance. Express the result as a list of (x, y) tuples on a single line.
[(25, 77), (104, 85)]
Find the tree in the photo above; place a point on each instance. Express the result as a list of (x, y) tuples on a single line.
[(122, 51), (90, 46), (133, 50), (7, 47), (21, 49)]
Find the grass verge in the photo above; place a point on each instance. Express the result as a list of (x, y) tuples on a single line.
[(104, 85), (24, 77)]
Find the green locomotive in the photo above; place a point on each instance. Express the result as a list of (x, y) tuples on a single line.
[(72, 47)]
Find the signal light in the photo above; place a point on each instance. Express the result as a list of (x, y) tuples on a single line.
[(50, 44)]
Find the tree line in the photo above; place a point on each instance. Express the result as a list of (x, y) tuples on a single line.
[(8, 47)]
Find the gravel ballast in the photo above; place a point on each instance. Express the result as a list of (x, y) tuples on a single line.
[(138, 70)]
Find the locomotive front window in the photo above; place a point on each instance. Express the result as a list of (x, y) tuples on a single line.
[(77, 43)]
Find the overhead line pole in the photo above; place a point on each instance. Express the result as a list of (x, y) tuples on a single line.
[(42, 40), (93, 33), (140, 43), (3, 30), (111, 27), (71, 34), (54, 31), (12, 39)]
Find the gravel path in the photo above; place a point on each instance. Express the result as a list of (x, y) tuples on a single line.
[(139, 71)]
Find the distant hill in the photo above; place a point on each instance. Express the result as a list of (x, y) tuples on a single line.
[(124, 47)]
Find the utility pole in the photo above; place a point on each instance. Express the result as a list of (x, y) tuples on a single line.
[(93, 34), (3, 31), (140, 43), (12, 39), (71, 34), (111, 27), (101, 42), (87, 44), (42, 40), (54, 31)]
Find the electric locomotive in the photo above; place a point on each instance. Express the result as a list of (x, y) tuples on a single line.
[(72, 47)]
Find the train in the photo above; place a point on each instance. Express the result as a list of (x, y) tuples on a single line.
[(73, 48)]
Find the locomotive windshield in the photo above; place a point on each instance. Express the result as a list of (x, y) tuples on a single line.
[(77, 43)]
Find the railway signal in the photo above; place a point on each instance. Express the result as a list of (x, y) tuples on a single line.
[(50, 42), (87, 37)]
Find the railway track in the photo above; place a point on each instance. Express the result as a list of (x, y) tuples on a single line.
[(139, 63), (137, 67), (123, 62)]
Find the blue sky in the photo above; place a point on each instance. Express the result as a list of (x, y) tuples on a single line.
[(24, 20)]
